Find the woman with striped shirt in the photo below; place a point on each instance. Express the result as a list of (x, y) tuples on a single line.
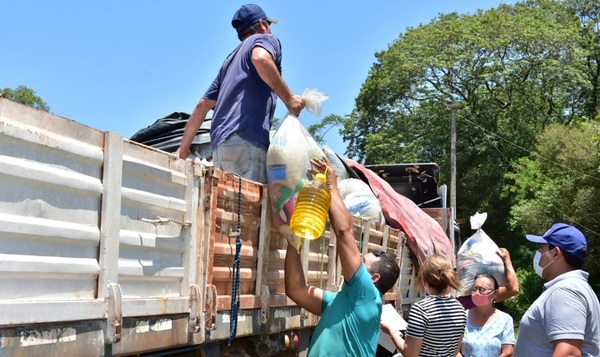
[(435, 324)]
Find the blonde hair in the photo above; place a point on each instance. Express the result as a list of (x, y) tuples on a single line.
[(437, 272)]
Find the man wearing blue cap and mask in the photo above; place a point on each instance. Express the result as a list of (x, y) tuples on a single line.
[(565, 319), (243, 96)]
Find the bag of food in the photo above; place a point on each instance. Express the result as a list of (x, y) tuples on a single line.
[(288, 158), (337, 163), (360, 200), (477, 255)]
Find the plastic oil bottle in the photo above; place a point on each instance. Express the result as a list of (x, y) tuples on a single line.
[(312, 207)]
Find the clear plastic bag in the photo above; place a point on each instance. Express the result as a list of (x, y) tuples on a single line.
[(288, 158), (477, 255), (313, 101)]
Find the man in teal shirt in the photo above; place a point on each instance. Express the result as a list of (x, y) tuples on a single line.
[(350, 319)]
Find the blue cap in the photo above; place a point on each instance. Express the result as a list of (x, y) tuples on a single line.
[(247, 16), (564, 236)]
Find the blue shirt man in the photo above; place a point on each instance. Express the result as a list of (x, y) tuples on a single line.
[(243, 96)]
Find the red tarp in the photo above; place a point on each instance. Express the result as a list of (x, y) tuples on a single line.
[(425, 236)]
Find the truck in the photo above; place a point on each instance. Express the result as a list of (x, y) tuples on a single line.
[(113, 248)]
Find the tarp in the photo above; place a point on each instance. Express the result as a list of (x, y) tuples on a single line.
[(425, 236), (166, 134)]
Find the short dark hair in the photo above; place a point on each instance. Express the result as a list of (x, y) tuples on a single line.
[(570, 258), (248, 31), (388, 270)]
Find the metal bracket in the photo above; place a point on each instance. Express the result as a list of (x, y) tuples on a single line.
[(264, 304), (114, 313), (164, 220), (210, 307), (194, 320)]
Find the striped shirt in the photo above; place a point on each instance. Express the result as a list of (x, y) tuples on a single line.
[(440, 323)]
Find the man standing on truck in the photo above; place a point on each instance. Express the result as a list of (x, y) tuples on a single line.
[(350, 319), (243, 96)]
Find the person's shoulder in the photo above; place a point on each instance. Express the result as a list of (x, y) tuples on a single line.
[(571, 283), (504, 316), (265, 37)]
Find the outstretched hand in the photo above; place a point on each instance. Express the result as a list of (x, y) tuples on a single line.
[(324, 166), (504, 255)]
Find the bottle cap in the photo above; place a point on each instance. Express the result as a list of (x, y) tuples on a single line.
[(321, 177)]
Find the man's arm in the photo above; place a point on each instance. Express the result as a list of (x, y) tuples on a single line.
[(341, 221), (512, 283), (309, 298), (193, 124), (567, 348), (267, 70)]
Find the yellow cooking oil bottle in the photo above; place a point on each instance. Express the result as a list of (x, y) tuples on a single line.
[(312, 207)]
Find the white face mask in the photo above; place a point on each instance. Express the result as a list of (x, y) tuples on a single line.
[(536, 263)]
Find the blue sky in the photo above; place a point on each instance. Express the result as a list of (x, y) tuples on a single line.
[(120, 65)]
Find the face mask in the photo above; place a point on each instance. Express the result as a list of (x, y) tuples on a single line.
[(480, 300), (536, 263)]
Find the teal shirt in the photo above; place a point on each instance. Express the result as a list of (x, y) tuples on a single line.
[(349, 325)]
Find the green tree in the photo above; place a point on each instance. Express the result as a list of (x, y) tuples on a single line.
[(515, 68), (319, 130), (559, 182), (25, 96), (588, 12)]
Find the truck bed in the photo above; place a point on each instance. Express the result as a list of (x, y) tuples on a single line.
[(109, 247)]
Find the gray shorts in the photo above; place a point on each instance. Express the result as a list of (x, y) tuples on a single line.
[(241, 157)]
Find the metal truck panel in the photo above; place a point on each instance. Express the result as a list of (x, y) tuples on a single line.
[(109, 247), (95, 239)]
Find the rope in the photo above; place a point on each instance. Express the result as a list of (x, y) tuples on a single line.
[(235, 282)]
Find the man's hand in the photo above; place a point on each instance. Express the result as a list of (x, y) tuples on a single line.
[(182, 154), (295, 105)]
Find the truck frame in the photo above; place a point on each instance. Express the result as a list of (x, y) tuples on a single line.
[(112, 248)]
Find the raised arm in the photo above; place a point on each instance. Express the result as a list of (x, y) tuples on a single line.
[(341, 221), (512, 283), (267, 70), (308, 297)]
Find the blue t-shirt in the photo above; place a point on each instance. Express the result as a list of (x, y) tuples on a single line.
[(487, 340), (349, 325), (567, 309), (245, 103)]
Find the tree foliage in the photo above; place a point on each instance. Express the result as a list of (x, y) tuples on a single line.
[(25, 96), (559, 182), (516, 68), (528, 75)]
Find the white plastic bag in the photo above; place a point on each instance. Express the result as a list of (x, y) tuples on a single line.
[(338, 165), (360, 200), (477, 255), (288, 158)]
